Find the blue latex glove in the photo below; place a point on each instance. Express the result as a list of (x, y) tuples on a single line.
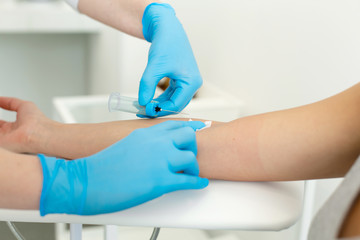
[(140, 167), (170, 56)]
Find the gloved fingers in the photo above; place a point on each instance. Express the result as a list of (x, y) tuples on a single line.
[(148, 83), (184, 139), (150, 112), (183, 94), (184, 181), (185, 161), (180, 98), (166, 94), (143, 116), (196, 125)]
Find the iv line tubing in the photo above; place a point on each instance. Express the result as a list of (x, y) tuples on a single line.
[(181, 113), (155, 234), (15, 231), (18, 235)]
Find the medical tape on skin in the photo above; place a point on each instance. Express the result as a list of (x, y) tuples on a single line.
[(207, 125), (73, 3)]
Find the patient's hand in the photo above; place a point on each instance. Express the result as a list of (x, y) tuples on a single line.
[(30, 124)]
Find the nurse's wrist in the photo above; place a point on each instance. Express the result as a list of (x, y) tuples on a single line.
[(153, 14), (64, 186)]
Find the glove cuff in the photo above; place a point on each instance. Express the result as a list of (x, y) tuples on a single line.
[(153, 13), (64, 186)]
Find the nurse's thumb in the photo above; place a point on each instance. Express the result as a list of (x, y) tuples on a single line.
[(148, 85)]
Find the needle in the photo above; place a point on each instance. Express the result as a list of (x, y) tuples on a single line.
[(158, 109)]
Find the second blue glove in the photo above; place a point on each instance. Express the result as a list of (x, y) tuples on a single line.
[(170, 56), (141, 167)]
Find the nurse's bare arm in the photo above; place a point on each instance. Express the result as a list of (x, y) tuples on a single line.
[(20, 180), (124, 15)]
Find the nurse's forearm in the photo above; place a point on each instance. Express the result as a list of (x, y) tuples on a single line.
[(20, 180), (319, 140), (124, 15)]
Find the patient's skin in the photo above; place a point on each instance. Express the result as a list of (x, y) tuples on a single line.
[(350, 226), (319, 140)]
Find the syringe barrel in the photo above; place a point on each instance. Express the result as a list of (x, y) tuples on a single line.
[(125, 104)]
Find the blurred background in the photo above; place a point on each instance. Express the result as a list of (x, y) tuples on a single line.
[(272, 54)]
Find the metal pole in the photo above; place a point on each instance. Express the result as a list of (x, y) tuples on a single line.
[(75, 231)]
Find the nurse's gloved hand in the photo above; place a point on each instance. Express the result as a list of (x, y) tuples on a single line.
[(170, 56), (140, 167)]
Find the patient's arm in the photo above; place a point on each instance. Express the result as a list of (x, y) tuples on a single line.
[(319, 140), (73, 141), (33, 132), (314, 141)]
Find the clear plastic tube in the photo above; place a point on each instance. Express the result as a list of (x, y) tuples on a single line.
[(125, 104), (117, 102), (16, 232)]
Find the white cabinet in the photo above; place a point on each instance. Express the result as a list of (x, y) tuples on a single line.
[(48, 49), (43, 16)]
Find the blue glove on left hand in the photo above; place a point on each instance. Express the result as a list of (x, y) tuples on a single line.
[(170, 56), (140, 167)]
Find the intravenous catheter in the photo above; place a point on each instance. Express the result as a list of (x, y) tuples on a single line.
[(131, 105)]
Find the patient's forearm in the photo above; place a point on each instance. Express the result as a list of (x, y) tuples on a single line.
[(314, 141), (319, 140), (73, 141)]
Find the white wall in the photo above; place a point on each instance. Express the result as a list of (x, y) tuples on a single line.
[(275, 54), (271, 54), (38, 67)]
